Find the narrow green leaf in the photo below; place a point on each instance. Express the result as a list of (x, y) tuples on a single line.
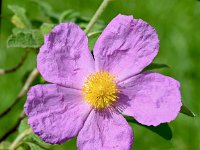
[(25, 39), (83, 25), (33, 138), (153, 66), (93, 38), (4, 145), (34, 146), (99, 26), (23, 125), (19, 19), (187, 111), (162, 130), (82, 19), (68, 16), (21, 148), (83, 22), (45, 28), (36, 23), (47, 10), (17, 22), (18, 30)]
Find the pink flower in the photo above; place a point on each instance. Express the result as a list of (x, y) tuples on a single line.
[(89, 95)]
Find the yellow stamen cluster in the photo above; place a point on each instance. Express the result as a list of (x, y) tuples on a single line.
[(100, 90)]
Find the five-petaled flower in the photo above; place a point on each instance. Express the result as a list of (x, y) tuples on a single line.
[(88, 96)]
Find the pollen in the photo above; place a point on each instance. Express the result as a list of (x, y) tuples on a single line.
[(100, 90)]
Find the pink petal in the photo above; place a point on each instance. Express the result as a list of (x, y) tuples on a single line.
[(105, 132), (126, 47), (55, 113), (65, 58), (151, 98)]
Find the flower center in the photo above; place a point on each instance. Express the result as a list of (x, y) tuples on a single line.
[(100, 90)]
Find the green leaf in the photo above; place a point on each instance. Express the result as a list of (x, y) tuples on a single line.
[(47, 10), (99, 26), (187, 111), (81, 19), (4, 145), (23, 125), (33, 138), (20, 148), (162, 130), (38, 37), (153, 66), (19, 19), (93, 38), (25, 39), (83, 22), (68, 16), (36, 23), (83, 25), (45, 28), (34, 146), (17, 22), (18, 30)]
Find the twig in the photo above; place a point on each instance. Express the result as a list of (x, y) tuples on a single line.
[(96, 15), (15, 68), (23, 91), (17, 141), (14, 127)]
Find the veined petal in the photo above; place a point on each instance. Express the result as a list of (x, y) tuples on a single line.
[(151, 98), (126, 47), (105, 132), (55, 113), (65, 58)]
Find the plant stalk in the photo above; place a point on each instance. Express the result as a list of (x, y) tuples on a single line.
[(16, 142), (96, 15)]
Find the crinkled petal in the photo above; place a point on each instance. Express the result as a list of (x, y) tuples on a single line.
[(65, 58), (151, 98), (102, 132), (126, 47), (55, 113)]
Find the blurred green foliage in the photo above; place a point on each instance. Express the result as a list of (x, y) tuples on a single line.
[(178, 26)]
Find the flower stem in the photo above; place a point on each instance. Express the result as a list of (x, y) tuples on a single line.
[(18, 140), (96, 15)]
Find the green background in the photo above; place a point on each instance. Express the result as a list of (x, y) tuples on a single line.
[(178, 26)]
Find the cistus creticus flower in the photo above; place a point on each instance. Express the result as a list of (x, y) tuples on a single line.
[(88, 96)]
